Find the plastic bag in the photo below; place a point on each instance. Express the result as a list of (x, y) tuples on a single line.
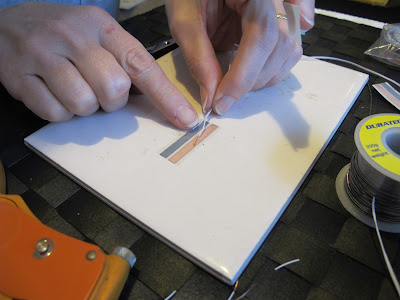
[(387, 47)]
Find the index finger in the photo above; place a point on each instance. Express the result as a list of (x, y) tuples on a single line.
[(259, 38), (147, 75)]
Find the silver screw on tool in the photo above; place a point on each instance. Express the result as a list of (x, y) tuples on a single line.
[(126, 254), (44, 248), (91, 255)]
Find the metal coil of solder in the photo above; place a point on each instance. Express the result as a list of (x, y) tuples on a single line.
[(374, 171)]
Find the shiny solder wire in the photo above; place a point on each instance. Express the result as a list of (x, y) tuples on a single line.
[(363, 183)]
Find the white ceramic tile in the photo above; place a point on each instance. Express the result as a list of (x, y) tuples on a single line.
[(218, 204), (355, 19)]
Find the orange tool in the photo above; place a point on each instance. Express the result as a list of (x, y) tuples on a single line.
[(37, 262)]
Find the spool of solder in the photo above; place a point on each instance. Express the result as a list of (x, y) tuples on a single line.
[(374, 171)]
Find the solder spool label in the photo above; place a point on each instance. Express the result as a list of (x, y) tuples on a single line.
[(380, 139)]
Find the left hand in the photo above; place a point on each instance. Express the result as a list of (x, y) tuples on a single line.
[(64, 60), (266, 51)]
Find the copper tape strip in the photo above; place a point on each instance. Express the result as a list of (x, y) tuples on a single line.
[(177, 156)]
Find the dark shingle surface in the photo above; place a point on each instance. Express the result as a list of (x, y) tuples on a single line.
[(348, 279), (320, 294), (387, 291), (14, 153), (330, 164), (87, 213), (336, 33), (321, 188), (202, 286), (311, 36), (323, 22), (39, 207), (120, 232), (34, 171), (319, 221), (57, 190), (281, 284), (134, 289), (345, 146), (14, 185), (160, 267), (294, 207), (360, 243), (288, 243), (61, 225), (340, 257)]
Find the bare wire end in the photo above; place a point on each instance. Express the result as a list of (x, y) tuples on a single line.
[(234, 290)]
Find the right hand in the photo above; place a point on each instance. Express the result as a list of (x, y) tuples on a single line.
[(307, 12), (65, 60), (266, 52)]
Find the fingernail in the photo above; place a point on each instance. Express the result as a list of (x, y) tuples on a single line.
[(204, 98), (223, 105), (309, 21), (186, 116)]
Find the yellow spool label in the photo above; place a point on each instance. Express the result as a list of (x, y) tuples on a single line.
[(371, 140)]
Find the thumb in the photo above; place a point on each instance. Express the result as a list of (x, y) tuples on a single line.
[(307, 12)]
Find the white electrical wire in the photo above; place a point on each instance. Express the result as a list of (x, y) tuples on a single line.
[(387, 261), (234, 290), (358, 66), (205, 122), (231, 296), (171, 295), (287, 263)]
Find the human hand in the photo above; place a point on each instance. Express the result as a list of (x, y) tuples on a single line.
[(64, 60), (307, 12), (266, 51)]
